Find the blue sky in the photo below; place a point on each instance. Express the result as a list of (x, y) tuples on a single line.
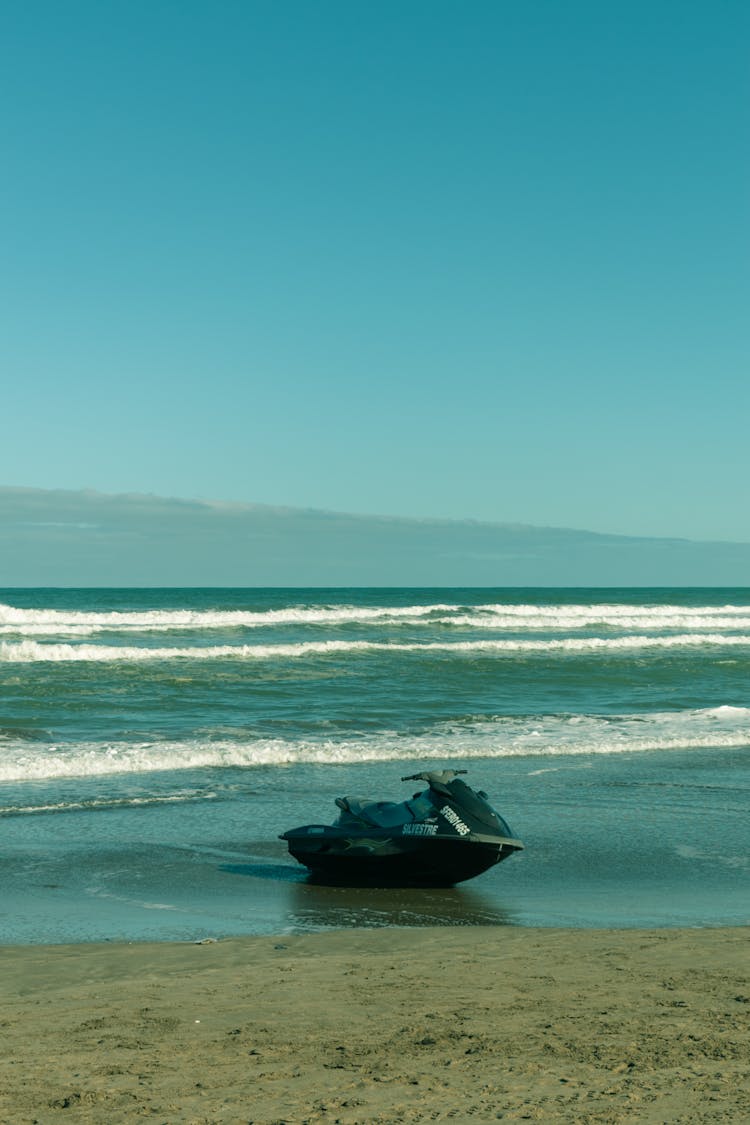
[(463, 260)]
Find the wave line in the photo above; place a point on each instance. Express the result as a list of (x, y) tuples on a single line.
[(26, 652), (723, 727)]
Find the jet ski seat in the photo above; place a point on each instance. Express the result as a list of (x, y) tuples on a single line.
[(378, 814), (385, 814)]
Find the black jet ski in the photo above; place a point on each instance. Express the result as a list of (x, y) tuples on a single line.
[(443, 835)]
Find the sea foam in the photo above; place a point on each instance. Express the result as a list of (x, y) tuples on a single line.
[(555, 617), (723, 727), (26, 652)]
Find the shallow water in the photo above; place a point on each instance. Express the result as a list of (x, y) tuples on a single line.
[(153, 744)]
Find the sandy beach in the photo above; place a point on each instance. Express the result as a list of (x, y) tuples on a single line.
[(441, 1024)]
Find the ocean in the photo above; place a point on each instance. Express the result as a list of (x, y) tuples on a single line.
[(154, 743)]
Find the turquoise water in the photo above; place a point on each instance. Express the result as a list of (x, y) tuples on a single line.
[(153, 743)]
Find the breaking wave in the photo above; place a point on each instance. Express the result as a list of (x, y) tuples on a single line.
[(57, 620), (27, 652), (37, 622), (723, 727)]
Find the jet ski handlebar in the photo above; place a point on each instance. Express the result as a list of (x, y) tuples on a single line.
[(442, 777)]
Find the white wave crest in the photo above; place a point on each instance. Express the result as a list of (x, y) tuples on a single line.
[(58, 619), (612, 609), (524, 736), (552, 617), (26, 652), (578, 621)]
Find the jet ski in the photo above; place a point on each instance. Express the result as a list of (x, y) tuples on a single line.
[(443, 835)]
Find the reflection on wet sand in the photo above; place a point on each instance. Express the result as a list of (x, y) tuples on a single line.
[(313, 906), (317, 906)]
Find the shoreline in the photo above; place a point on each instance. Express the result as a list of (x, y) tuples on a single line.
[(330, 932), (381, 1025)]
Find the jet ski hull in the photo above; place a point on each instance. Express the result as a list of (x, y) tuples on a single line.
[(394, 861), (442, 836)]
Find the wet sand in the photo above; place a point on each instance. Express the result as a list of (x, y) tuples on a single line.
[(366, 1026)]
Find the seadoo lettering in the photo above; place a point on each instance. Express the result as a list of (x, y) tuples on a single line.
[(419, 830), (454, 819)]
